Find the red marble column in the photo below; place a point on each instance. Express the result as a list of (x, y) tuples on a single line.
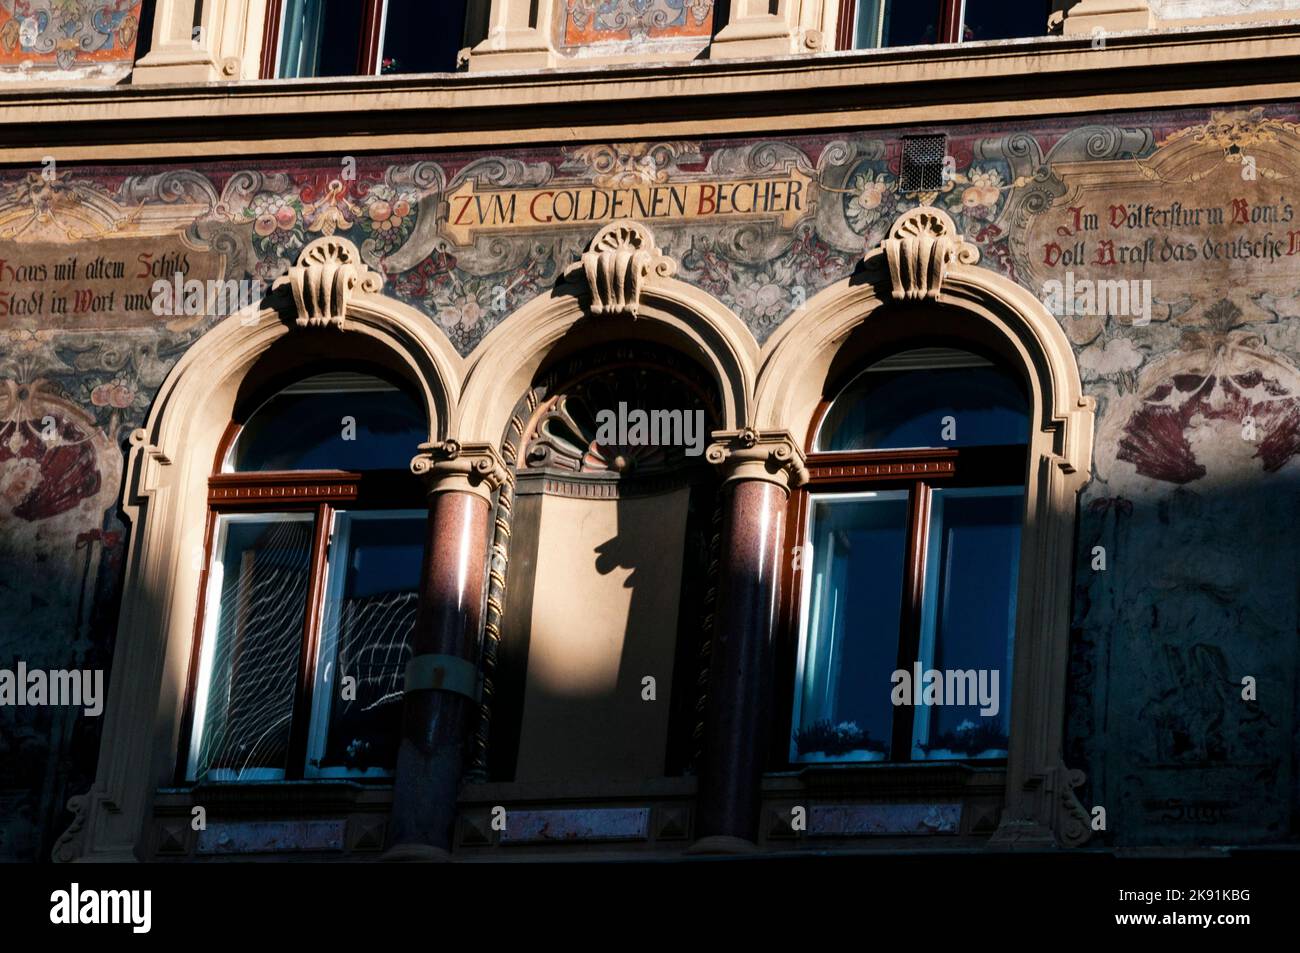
[(439, 707), (759, 468)]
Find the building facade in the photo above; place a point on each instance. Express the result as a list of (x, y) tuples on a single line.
[(499, 430)]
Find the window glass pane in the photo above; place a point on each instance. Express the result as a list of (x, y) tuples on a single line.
[(320, 37), (371, 596), (420, 37), (248, 669), (332, 422), (866, 27), (851, 603), (973, 561), (894, 23), (927, 398), (1004, 19)]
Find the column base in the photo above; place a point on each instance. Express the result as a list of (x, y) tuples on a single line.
[(185, 65), (415, 854), (1111, 16), (1023, 834), (513, 49), (722, 844), (751, 38)]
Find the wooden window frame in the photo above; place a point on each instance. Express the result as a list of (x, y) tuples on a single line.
[(368, 43), (320, 493), (919, 472), (949, 23)]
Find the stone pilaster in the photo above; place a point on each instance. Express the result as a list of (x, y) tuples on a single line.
[(441, 678), (519, 37), (759, 468), (225, 44)]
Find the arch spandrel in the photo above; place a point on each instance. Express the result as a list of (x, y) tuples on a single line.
[(621, 289), (911, 270)]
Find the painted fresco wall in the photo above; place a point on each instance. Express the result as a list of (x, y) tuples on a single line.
[(1194, 499), (633, 25), (54, 40)]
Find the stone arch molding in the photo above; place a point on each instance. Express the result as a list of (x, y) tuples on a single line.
[(330, 304), (621, 288), (924, 260), (330, 300)]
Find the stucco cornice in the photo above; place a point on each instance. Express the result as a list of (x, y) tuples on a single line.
[(947, 83)]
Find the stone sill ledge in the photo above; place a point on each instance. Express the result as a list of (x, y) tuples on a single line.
[(895, 88), (548, 793)]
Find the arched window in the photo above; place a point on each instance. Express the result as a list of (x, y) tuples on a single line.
[(909, 536), (315, 539)]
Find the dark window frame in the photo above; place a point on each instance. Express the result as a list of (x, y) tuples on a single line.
[(919, 472), (368, 42), (949, 24)]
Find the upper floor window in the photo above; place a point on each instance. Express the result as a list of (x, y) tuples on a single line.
[(868, 24), (316, 534), (365, 37), (909, 534)]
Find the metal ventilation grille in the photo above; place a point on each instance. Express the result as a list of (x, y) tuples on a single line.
[(922, 164)]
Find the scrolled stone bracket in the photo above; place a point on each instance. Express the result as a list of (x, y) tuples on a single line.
[(922, 244), (1073, 824), (328, 273), (149, 460), (1048, 814), (449, 465), (616, 266), (69, 845), (749, 454)]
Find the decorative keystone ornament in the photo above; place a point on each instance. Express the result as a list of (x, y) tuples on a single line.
[(616, 265), (328, 272), (921, 245)]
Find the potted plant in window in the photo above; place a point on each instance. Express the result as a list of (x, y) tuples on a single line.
[(826, 741)]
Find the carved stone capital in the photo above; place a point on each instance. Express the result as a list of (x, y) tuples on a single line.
[(749, 454), (921, 245), (616, 265), (450, 465), (328, 272)]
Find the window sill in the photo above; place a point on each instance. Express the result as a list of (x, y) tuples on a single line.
[(498, 792), (274, 798), (917, 779)]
